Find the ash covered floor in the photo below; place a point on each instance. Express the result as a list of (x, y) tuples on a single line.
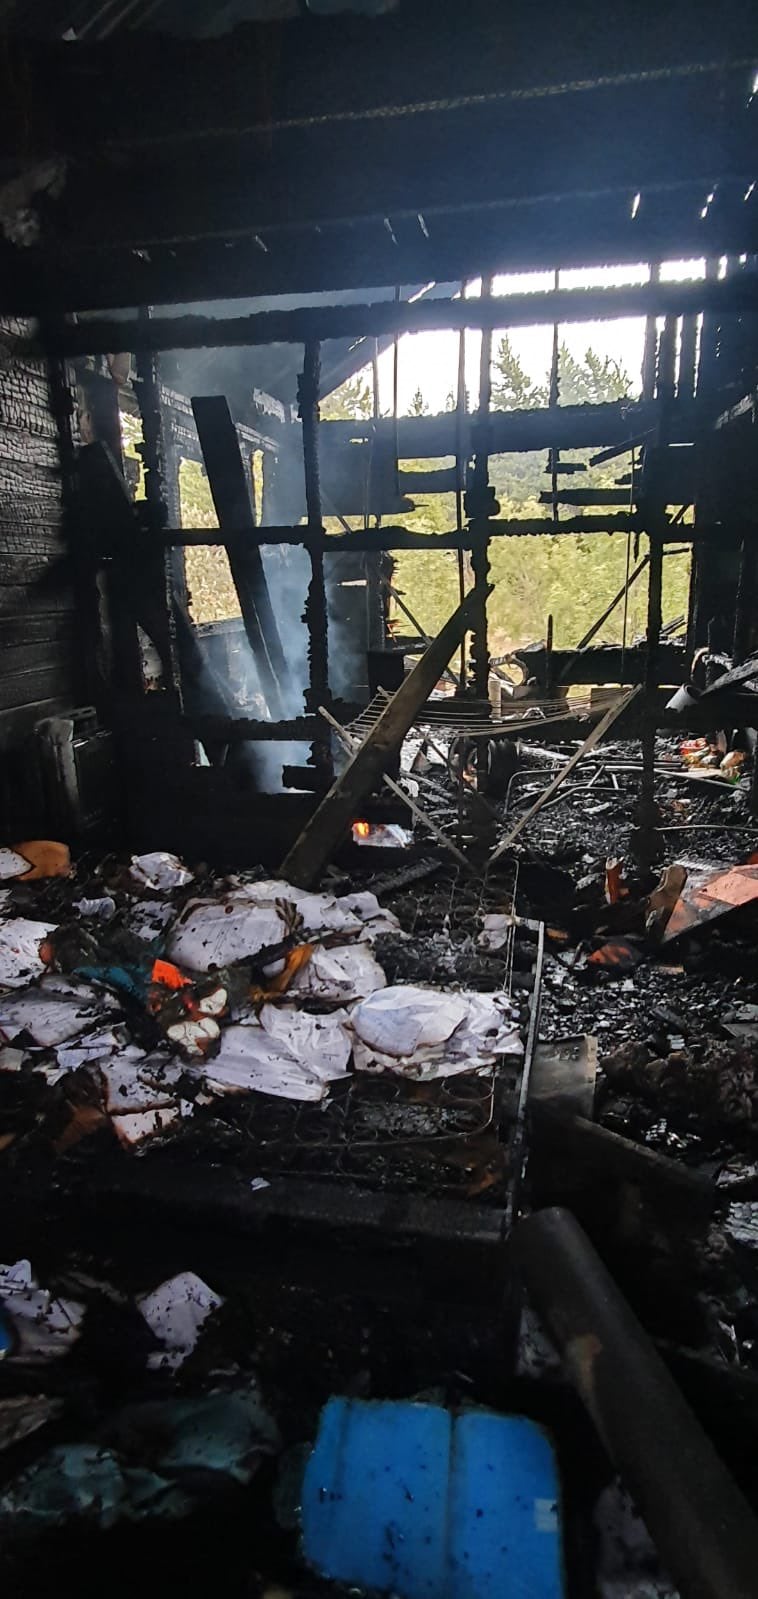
[(184, 1051)]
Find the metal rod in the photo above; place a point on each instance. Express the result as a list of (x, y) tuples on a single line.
[(423, 635), (629, 580), (419, 815), (703, 1527), (593, 737), (99, 335)]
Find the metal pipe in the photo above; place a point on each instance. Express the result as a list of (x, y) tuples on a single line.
[(704, 1529)]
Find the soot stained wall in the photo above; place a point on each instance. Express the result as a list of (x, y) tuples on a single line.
[(38, 671)]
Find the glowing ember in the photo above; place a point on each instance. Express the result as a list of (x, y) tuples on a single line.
[(382, 835)]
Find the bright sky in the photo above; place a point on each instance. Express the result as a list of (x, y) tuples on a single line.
[(429, 361)]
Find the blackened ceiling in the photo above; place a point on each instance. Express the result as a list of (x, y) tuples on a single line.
[(319, 153), (90, 20)]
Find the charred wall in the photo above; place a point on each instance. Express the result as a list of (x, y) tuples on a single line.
[(38, 661)]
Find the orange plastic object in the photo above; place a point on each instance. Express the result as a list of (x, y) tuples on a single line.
[(46, 859), (615, 889), (169, 975), (706, 896), (616, 955)]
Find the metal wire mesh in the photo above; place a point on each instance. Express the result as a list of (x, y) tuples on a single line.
[(385, 1130), (474, 719)]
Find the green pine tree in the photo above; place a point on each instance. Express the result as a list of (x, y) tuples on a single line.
[(512, 388), (351, 400), (418, 405)]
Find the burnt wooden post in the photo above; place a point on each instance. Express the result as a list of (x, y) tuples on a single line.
[(646, 841), (315, 616), (172, 461), (651, 343), (460, 470), (156, 509), (745, 603), (480, 510), (704, 1529)]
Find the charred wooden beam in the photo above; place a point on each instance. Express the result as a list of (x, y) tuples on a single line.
[(401, 538), (325, 829), (621, 424), (231, 498), (705, 1531), (585, 497), (244, 729), (593, 1151), (602, 663), (306, 324)]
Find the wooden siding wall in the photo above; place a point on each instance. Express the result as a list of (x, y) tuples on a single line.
[(37, 606)]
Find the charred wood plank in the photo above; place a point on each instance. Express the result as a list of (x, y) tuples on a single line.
[(594, 1150), (321, 835), (297, 729)]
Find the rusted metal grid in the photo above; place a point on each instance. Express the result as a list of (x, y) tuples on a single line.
[(467, 719)]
